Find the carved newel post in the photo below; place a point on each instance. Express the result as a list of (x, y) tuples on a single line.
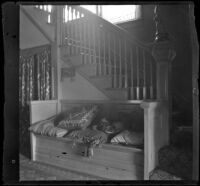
[(163, 53)]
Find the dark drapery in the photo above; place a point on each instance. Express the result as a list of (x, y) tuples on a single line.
[(34, 84)]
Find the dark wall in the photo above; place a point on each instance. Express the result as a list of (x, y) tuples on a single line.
[(176, 21)]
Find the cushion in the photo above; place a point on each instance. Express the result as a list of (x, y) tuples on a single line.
[(37, 126), (129, 137), (47, 128), (89, 137), (56, 131), (79, 120), (107, 127)]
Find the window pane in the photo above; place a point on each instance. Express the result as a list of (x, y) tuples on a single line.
[(91, 8), (119, 13)]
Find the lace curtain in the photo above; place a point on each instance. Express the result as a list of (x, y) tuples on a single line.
[(34, 84)]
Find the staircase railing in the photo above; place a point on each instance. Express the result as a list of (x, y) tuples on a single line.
[(112, 50), (46, 9)]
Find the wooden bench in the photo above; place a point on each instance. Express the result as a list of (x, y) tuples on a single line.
[(110, 161)]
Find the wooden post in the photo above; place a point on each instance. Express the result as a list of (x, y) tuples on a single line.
[(164, 53), (155, 133), (195, 74), (56, 53)]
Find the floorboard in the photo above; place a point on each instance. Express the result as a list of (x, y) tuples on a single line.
[(31, 171)]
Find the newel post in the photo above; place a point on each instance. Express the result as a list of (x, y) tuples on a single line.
[(56, 19), (163, 53)]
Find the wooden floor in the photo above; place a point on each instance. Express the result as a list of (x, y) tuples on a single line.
[(30, 171)]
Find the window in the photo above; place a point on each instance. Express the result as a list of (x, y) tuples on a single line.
[(91, 8), (116, 13), (120, 13)]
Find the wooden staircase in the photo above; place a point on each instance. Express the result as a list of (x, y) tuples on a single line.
[(107, 56)]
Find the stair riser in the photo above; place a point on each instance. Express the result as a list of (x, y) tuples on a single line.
[(118, 94)]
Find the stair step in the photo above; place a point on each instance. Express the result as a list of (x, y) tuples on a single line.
[(119, 94)]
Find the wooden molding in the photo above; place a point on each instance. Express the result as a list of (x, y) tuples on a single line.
[(100, 101), (33, 50)]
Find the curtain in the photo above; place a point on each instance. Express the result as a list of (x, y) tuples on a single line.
[(34, 84)]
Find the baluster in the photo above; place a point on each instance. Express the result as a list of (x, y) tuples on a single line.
[(109, 55), (120, 65), (132, 83), (144, 76), (126, 66), (94, 43), (74, 25), (69, 13), (45, 8), (89, 42), (79, 32), (95, 52), (115, 64), (67, 30), (76, 31), (104, 52), (64, 24), (84, 40), (138, 75), (99, 45), (70, 31), (81, 40), (151, 80), (73, 33), (62, 27)]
